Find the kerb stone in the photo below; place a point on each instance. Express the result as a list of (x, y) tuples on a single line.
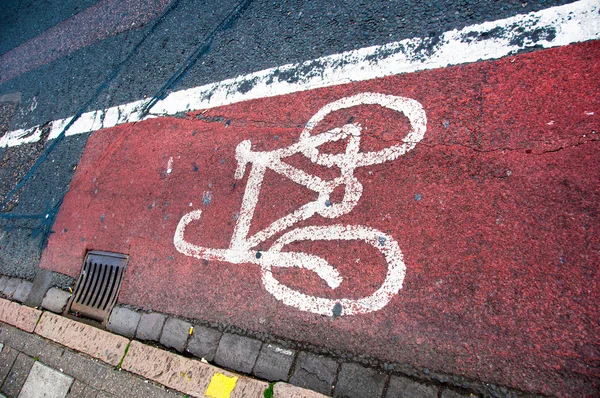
[(150, 326), (355, 381), (175, 334), (94, 342), (23, 317), (56, 300), (123, 321), (237, 352), (274, 362), (184, 374), (290, 391)]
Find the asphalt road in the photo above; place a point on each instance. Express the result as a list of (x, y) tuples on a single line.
[(182, 44), (124, 66)]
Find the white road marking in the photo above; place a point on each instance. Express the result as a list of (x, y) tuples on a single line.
[(552, 27), (242, 248)]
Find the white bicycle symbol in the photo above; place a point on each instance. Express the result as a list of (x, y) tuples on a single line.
[(242, 247)]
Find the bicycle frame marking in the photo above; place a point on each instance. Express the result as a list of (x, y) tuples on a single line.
[(241, 246)]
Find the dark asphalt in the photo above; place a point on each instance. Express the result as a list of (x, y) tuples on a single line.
[(22, 20), (267, 34)]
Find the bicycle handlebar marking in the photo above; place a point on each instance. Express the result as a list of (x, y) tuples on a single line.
[(241, 245)]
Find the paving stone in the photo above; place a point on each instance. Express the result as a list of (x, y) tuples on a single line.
[(103, 394), (17, 375), (41, 283), (355, 381), (7, 358), (184, 374), (204, 342), (403, 387), (81, 390), (22, 291), (123, 321), (18, 315), (46, 382), (13, 337), (3, 281), (97, 343), (237, 352), (46, 351), (175, 334), (274, 363), (124, 384), (150, 326), (83, 368), (455, 394), (11, 287), (314, 372), (56, 300), (289, 391)]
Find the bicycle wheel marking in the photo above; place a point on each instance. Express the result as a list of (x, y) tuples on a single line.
[(242, 247)]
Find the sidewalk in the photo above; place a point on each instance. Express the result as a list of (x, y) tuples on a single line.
[(45, 351), (30, 364)]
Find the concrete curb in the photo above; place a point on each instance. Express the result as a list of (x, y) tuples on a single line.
[(23, 317), (189, 376), (78, 336), (283, 362)]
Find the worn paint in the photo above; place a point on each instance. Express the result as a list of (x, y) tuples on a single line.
[(551, 27), (500, 284), (242, 248)]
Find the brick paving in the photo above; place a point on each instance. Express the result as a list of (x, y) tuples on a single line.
[(21, 351), (98, 363)]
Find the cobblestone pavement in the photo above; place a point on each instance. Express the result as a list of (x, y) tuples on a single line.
[(142, 352)]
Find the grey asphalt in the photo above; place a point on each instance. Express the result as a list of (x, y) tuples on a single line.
[(138, 63)]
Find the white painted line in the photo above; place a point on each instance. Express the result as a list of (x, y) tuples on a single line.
[(552, 27), (242, 248)]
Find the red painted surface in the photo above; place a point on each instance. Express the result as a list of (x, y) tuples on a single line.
[(502, 249)]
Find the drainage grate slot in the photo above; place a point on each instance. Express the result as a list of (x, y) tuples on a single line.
[(98, 286)]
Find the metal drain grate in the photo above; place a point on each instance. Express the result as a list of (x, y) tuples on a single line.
[(99, 284)]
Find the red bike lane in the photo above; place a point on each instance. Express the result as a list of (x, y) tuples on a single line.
[(495, 211)]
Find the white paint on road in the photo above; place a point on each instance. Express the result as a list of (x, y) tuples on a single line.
[(242, 248), (552, 27)]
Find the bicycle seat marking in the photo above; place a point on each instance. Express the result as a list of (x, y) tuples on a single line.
[(242, 248)]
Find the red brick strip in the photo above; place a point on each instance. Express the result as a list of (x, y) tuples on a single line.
[(183, 374), (290, 391), (97, 343), (19, 315)]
